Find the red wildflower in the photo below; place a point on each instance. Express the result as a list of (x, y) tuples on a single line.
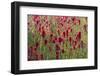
[(76, 20), (57, 54), (70, 40), (60, 40), (45, 42), (57, 47), (39, 29), (74, 44), (55, 40), (43, 33), (36, 19), (64, 18), (78, 37), (79, 22), (68, 20), (64, 34)]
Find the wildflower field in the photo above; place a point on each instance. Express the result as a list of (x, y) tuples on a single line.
[(57, 37)]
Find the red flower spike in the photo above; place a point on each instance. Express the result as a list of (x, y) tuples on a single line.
[(70, 40), (57, 47), (57, 55), (36, 19), (64, 34), (60, 40), (75, 43), (76, 20), (56, 40), (45, 42), (39, 29), (43, 33), (78, 37), (79, 22)]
